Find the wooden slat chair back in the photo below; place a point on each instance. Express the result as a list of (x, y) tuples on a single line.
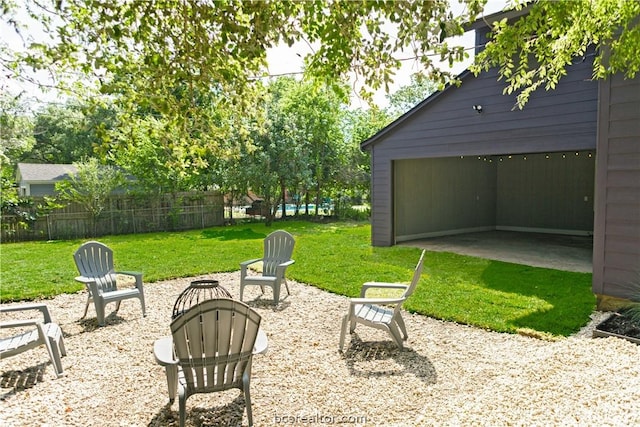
[(382, 313), (46, 333), (277, 253), (213, 343), (94, 261)]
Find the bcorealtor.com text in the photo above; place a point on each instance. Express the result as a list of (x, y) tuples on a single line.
[(319, 419)]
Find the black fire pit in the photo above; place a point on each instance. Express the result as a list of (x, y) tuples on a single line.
[(198, 291)]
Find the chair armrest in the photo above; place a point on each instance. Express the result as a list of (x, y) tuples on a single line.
[(85, 280), (163, 351), (19, 323), (245, 264), (354, 301), (281, 268), (130, 273), (286, 263), (135, 274), (381, 285), (249, 262), (91, 285), (35, 306)]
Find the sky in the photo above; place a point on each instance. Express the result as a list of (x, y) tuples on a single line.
[(282, 60)]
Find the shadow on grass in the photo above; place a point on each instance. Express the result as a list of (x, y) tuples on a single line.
[(568, 294), (232, 234)]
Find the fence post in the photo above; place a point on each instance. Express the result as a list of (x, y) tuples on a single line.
[(49, 226)]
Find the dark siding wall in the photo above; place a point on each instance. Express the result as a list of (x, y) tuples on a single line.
[(381, 206), (616, 252), (443, 194), (448, 126), (552, 192)]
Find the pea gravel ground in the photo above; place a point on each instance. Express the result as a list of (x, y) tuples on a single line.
[(448, 374)]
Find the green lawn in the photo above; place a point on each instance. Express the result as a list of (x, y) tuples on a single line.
[(336, 257)]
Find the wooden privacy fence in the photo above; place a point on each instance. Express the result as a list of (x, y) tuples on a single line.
[(125, 215)]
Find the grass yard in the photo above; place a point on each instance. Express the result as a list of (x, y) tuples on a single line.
[(336, 257)]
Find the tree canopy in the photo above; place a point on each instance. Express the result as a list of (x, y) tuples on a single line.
[(188, 78), (150, 46), (146, 48), (557, 33)]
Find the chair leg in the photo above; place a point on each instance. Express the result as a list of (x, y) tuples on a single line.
[(144, 308), (100, 309), (402, 326), (86, 307), (44, 338), (343, 329), (182, 406), (247, 399), (352, 326), (63, 349), (395, 334), (276, 293), (287, 286), (172, 381), (54, 336)]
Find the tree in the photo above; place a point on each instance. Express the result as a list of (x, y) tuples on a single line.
[(144, 148), (141, 51), (535, 50), (314, 117), (225, 42), (222, 44), (16, 132), (408, 96), (359, 126), (273, 152), (91, 186), (69, 133)]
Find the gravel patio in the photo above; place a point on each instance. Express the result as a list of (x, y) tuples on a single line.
[(448, 374)]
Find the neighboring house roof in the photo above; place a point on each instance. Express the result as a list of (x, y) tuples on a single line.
[(44, 173)]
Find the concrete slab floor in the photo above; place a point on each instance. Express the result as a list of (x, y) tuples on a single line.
[(559, 252)]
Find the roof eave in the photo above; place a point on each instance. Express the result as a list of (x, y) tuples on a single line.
[(423, 104)]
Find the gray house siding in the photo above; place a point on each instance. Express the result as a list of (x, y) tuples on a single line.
[(446, 125), (616, 252), (42, 189)]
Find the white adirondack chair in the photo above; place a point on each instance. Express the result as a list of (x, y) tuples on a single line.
[(278, 248), (214, 343), (46, 333), (95, 264), (381, 313)]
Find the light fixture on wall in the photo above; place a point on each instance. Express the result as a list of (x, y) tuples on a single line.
[(478, 108)]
